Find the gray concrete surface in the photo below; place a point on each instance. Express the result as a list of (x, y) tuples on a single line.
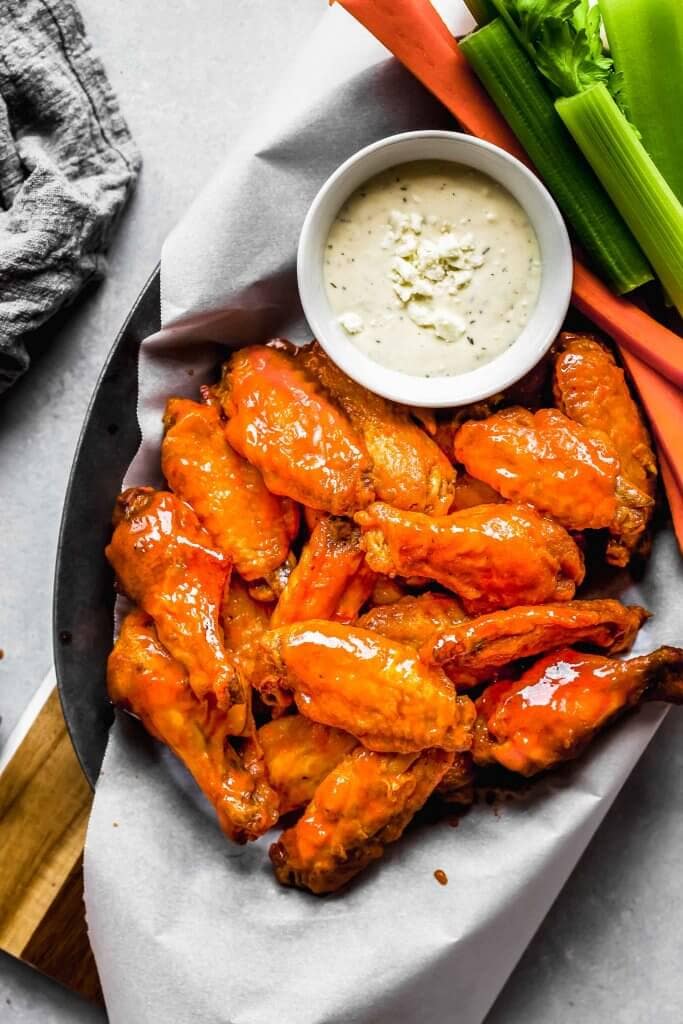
[(189, 74)]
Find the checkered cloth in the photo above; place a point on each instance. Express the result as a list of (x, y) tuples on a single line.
[(67, 165)]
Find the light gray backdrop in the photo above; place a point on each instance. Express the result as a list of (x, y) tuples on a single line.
[(188, 74)]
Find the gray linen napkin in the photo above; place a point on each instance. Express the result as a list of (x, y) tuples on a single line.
[(67, 165)]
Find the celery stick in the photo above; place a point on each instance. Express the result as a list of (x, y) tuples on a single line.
[(482, 11), (646, 41), (518, 92), (638, 189)]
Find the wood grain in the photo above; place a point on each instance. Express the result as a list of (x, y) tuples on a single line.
[(59, 946), (44, 806)]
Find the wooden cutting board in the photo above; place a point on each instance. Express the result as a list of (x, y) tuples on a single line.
[(44, 807)]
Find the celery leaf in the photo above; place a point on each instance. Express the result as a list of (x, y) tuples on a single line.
[(563, 39)]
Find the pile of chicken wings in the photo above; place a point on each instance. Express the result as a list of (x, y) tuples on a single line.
[(343, 606)]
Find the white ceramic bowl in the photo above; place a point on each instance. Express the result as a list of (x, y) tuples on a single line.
[(556, 269)]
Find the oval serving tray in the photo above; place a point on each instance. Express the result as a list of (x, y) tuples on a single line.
[(83, 605)]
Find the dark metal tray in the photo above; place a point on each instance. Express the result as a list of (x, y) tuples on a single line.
[(84, 584)]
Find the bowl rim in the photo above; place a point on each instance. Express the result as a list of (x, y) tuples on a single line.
[(506, 368)]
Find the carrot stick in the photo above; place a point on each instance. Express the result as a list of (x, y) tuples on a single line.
[(675, 497), (629, 326), (415, 33), (664, 405), (420, 39)]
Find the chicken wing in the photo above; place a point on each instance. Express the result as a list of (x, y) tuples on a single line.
[(591, 389), (560, 703), (164, 561), (387, 590), (457, 785), (414, 620), (328, 563), (298, 754), (145, 679), (270, 587), (281, 421), (470, 492), (359, 591), (244, 620), (409, 470), (560, 467), (492, 556), (474, 651), (531, 391), (312, 517), (378, 691), (246, 522), (363, 804), (449, 421)]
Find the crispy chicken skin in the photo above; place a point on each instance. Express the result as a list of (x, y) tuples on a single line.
[(363, 804), (449, 421), (560, 467), (457, 785), (591, 389), (492, 556), (375, 689), (283, 423), (409, 470), (145, 679), (244, 620), (165, 562), (328, 563), (298, 754), (414, 620), (474, 651), (246, 522), (530, 392), (312, 517), (560, 703), (271, 586), (359, 591)]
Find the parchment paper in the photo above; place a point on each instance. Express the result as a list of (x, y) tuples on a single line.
[(189, 928)]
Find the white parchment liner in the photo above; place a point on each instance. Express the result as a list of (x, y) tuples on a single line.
[(187, 927)]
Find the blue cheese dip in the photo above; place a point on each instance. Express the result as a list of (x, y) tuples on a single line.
[(432, 268)]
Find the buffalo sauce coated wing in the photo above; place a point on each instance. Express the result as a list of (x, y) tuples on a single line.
[(492, 556), (244, 620), (474, 651), (547, 460), (470, 492), (387, 590), (298, 754), (414, 620), (329, 561), (281, 421), (363, 804), (591, 389), (457, 785), (375, 689), (409, 469), (246, 522), (557, 706), (359, 591), (145, 679), (164, 561)]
